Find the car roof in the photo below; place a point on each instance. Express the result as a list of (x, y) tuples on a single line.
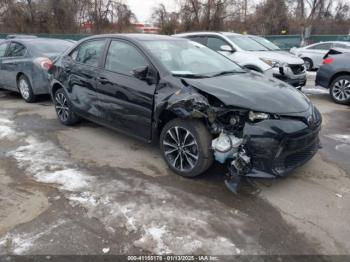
[(139, 37), (206, 33), (337, 42), (36, 40)]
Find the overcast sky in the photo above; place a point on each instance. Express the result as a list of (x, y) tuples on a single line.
[(143, 8)]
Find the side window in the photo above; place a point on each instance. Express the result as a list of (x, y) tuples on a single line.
[(89, 53), (16, 50), (3, 48), (324, 46), (199, 39), (342, 46), (215, 43), (123, 58)]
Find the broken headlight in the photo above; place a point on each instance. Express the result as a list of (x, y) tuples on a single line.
[(255, 116), (273, 63)]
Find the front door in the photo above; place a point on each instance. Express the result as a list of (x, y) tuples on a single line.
[(126, 102)]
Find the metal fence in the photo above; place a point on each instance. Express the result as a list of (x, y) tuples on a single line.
[(289, 41), (283, 41)]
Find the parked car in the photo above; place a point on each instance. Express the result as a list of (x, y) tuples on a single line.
[(252, 55), (313, 54), (197, 103), (24, 63), (334, 74)]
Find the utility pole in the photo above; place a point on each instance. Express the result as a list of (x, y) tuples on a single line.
[(245, 9)]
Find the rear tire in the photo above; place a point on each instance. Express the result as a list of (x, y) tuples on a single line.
[(25, 89), (64, 109), (186, 147), (340, 90), (309, 65)]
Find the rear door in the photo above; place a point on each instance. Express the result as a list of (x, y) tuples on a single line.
[(3, 48), (11, 63), (82, 67), (126, 101)]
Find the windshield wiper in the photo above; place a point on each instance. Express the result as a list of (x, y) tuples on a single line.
[(191, 76), (228, 73)]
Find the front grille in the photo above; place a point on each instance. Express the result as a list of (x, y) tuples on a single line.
[(297, 69), (300, 142), (296, 151), (299, 158)]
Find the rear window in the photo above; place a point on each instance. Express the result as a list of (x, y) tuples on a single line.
[(50, 46)]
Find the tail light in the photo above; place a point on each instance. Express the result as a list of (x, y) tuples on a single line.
[(327, 61), (44, 62)]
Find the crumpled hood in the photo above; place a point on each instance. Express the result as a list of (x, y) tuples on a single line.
[(280, 56), (254, 91)]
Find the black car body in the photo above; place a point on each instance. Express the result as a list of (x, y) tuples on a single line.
[(263, 126), (24, 63), (334, 74)]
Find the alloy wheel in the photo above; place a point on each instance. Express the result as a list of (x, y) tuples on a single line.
[(62, 106), (24, 88), (181, 149), (341, 90)]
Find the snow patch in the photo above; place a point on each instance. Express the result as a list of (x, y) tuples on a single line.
[(153, 239), (162, 221), (315, 91), (23, 242), (340, 138), (49, 164), (6, 129), (68, 179)]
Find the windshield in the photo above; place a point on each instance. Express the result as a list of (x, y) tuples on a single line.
[(187, 58), (268, 44), (247, 43), (50, 46)]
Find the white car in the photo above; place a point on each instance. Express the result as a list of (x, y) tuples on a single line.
[(313, 54), (252, 55)]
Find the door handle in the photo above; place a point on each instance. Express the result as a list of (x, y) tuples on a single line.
[(103, 80)]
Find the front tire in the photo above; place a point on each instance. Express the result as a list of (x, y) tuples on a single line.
[(186, 147), (64, 109), (25, 89), (340, 90)]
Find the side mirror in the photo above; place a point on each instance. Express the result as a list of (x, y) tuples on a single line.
[(226, 48), (145, 73), (140, 72)]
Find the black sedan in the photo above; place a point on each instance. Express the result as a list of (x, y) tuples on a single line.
[(199, 104), (334, 74), (24, 63)]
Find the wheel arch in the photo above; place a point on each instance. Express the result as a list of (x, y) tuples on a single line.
[(54, 87), (335, 76)]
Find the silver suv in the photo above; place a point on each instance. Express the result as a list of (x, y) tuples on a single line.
[(253, 55)]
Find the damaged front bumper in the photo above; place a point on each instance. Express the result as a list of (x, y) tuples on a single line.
[(271, 148), (295, 75)]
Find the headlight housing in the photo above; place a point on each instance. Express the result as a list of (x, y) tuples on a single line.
[(272, 62), (256, 116)]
